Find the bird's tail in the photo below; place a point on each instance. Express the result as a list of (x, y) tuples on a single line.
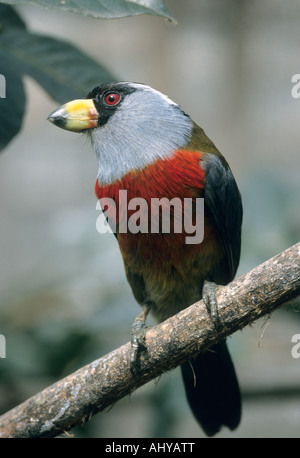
[(212, 389)]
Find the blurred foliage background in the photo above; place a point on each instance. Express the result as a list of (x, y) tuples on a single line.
[(64, 297)]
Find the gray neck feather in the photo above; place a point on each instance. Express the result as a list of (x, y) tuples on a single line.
[(147, 126)]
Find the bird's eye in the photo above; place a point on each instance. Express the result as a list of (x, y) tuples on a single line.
[(112, 99)]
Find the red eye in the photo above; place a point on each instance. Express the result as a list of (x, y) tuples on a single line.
[(112, 99)]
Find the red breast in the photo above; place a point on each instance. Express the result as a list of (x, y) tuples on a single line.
[(180, 176)]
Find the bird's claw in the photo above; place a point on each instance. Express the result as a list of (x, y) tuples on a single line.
[(210, 301), (137, 345), (138, 339)]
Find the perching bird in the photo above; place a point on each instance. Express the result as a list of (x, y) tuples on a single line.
[(147, 145)]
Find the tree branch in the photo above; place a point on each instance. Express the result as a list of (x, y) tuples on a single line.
[(76, 398)]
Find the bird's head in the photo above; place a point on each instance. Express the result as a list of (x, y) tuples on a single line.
[(131, 125)]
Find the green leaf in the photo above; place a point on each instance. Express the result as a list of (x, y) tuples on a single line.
[(9, 18), (12, 93), (106, 9), (12, 106), (60, 68)]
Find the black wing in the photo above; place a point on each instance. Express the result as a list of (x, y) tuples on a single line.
[(223, 204)]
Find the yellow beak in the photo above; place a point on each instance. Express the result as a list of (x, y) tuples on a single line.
[(77, 115)]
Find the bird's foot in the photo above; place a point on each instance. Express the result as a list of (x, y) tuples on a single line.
[(210, 301), (138, 339)]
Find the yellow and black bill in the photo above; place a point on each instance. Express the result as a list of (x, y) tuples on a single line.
[(75, 116)]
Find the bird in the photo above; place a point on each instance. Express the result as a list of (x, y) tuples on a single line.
[(148, 146)]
